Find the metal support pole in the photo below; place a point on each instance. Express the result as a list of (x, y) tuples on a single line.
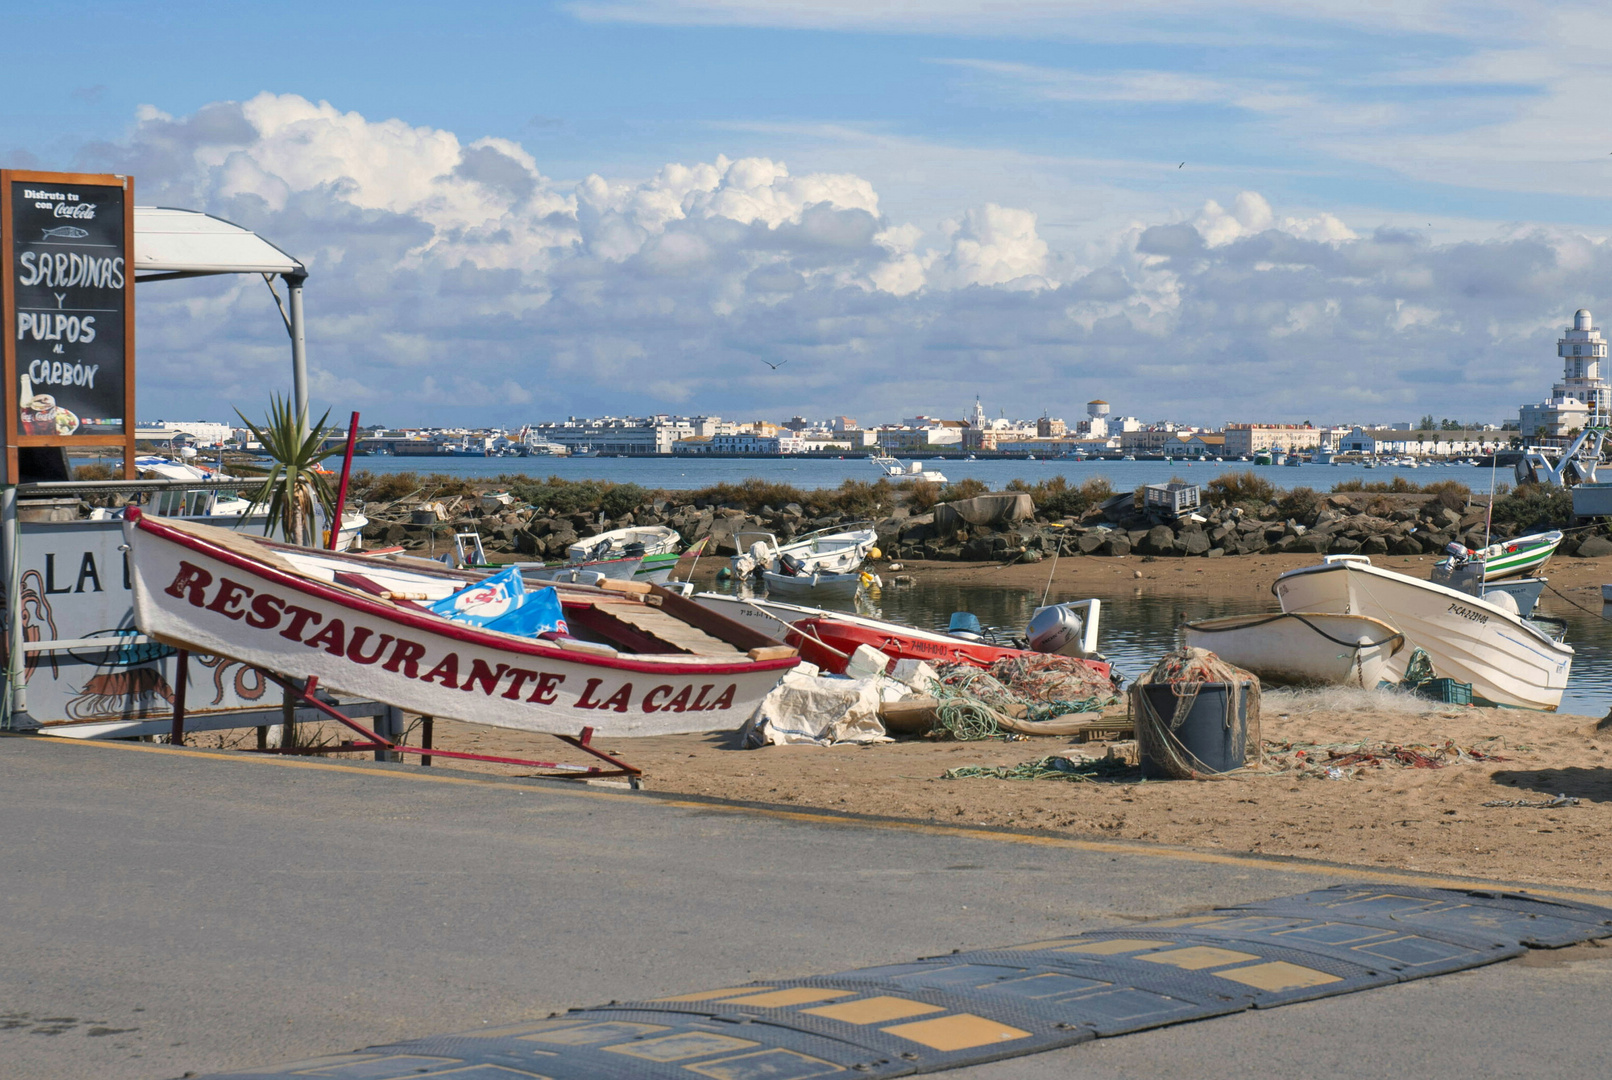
[(16, 704), (390, 728), (299, 348), (181, 683), (426, 733)]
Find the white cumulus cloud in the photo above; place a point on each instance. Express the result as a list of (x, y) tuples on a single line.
[(452, 280)]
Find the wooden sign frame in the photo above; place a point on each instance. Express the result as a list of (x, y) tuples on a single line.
[(10, 388)]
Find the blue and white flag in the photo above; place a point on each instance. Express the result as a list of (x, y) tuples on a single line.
[(485, 600), (539, 612), (502, 603)]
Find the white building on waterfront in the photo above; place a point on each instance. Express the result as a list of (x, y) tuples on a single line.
[(1583, 396), (203, 431)]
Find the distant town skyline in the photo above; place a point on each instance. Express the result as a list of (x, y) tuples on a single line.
[(635, 206)]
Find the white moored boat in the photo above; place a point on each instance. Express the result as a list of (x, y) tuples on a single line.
[(656, 544), (915, 471), (1508, 660), (628, 659), (836, 550), (1301, 648)]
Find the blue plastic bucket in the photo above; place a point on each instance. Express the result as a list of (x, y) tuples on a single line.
[(1203, 737)]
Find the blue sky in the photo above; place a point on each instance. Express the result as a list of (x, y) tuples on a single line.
[(1395, 207)]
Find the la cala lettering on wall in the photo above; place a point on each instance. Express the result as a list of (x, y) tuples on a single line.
[(68, 295)]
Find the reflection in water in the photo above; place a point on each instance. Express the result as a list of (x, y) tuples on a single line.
[(1137, 630)]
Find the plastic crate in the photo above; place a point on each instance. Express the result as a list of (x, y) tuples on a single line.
[(1446, 690)]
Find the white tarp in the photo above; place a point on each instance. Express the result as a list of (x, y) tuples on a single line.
[(819, 710), (814, 709)]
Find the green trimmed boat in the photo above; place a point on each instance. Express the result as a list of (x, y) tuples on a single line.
[(1508, 558)]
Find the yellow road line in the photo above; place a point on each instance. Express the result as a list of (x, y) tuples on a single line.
[(1279, 864)]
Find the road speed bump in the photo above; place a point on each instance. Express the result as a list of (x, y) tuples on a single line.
[(947, 1011)]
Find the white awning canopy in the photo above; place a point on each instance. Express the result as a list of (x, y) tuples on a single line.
[(187, 242), (171, 243)]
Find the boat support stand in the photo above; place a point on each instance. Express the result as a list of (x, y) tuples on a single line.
[(307, 693)]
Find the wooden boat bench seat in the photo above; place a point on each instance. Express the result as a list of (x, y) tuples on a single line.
[(642, 628)]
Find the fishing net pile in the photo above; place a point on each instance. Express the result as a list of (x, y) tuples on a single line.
[(1028, 694), (1186, 671), (1345, 761)]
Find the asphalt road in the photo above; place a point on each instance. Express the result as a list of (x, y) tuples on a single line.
[(169, 912)]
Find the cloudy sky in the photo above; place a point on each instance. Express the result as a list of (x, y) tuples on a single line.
[(1202, 211)]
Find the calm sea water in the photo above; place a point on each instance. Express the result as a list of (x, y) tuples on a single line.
[(1135, 630), (675, 474)]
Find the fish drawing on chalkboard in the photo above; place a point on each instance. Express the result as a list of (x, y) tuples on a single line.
[(66, 232)]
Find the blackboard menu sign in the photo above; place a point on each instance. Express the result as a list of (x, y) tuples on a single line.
[(68, 295)]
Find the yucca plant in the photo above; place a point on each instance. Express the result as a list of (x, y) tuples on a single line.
[(292, 484)]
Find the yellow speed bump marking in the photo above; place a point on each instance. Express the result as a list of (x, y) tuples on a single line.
[(962, 1031), (1198, 957), (795, 995), (1115, 946), (683, 1045), (785, 1064), (1277, 975), (873, 1010)]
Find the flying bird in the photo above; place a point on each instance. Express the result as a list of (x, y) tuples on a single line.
[(772, 365), (1182, 165)]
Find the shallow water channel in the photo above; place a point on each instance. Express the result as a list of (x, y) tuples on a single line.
[(1137, 629)]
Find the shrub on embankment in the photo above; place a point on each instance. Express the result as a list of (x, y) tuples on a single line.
[(1243, 514)]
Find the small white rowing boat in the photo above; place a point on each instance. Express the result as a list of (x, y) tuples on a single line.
[(1301, 648), (818, 581)]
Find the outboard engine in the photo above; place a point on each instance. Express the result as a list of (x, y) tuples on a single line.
[(1061, 630), (790, 565), (966, 625)]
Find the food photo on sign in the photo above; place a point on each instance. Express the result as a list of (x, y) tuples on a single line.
[(69, 286)]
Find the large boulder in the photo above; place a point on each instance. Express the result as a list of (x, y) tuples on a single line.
[(1192, 542), (1594, 547), (1159, 540), (1117, 544)]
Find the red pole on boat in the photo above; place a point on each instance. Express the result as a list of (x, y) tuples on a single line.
[(346, 474)]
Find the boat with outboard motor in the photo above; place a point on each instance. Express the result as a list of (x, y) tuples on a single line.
[(1507, 659), (1507, 558), (828, 638), (655, 545), (623, 658), (840, 549)]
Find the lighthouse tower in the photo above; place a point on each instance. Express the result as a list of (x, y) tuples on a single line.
[(1583, 396), (1583, 353)]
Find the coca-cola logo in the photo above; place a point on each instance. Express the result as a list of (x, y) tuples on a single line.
[(84, 211)]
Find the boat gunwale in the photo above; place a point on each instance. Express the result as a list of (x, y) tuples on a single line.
[(1252, 620), (445, 627), (1465, 598)]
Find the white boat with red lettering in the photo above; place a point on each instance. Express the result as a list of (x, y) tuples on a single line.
[(1510, 661), (629, 658)]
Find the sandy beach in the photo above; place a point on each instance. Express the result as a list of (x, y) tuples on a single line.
[(1377, 812)]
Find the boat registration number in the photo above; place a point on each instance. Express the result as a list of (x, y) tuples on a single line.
[(1469, 615)]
